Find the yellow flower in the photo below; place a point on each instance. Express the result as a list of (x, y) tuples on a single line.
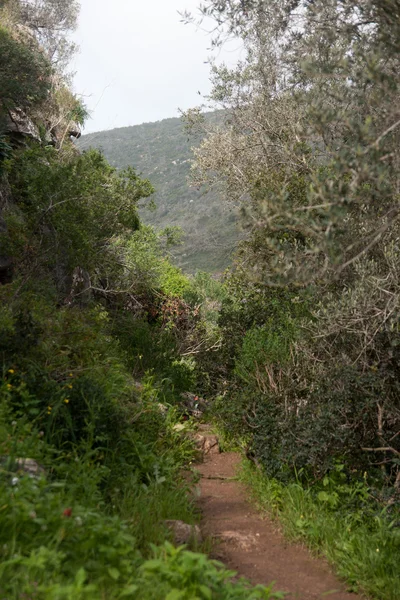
[(66, 400), (140, 356), (9, 386), (49, 408), (377, 549), (69, 386), (70, 375), (11, 371)]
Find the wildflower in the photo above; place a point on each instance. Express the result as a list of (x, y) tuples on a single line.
[(14, 423), (33, 514), (377, 549), (14, 481), (69, 386), (67, 512), (78, 521), (9, 386), (11, 371), (140, 356), (70, 375), (66, 400)]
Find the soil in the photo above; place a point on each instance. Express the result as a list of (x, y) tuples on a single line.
[(251, 544)]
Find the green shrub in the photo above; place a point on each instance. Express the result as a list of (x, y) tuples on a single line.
[(175, 573), (25, 77)]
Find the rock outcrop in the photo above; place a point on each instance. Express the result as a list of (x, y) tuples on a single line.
[(20, 127)]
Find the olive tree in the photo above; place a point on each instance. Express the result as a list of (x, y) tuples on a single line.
[(51, 22), (310, 145)]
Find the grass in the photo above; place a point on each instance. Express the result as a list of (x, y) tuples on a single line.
[(341, 522)]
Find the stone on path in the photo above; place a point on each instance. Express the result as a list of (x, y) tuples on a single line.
[(184, 533)]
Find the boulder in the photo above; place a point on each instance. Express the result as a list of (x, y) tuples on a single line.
[(27, 466), (195, 406), (183, 533), (206, 444)]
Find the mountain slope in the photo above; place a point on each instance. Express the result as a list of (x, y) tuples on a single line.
[(161, 151)]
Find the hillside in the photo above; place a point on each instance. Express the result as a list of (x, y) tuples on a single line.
[(161, 151)]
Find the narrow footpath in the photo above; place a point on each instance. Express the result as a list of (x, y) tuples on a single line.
[(250, 543)]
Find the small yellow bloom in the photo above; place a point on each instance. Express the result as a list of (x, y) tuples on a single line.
[(69, 386), (9, 386), (377, 549), (70, 375), (49, 408), (140, 356), (66, 400), (11, 371)]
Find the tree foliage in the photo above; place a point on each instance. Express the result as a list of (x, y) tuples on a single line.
[(24, 73), (310, 145), (50, 22)]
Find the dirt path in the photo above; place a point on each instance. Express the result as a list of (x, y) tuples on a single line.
[(251, 544)]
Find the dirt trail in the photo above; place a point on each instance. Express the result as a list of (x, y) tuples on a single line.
[(249, 543)]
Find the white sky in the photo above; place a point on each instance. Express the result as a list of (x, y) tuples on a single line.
[(137, 62)]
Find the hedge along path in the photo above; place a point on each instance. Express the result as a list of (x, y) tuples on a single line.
[(249, 543)]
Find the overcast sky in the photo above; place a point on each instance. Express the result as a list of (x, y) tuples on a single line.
[(137, 62)]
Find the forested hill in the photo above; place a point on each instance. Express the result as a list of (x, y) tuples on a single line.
[(161, 151)]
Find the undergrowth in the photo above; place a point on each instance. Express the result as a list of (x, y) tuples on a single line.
[(340, 520), (89, 523)]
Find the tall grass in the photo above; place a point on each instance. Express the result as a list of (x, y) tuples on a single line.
[(361, 540)]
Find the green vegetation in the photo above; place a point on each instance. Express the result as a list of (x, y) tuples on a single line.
[(162, 152), (339, 519), (33, 82), (97, 330), (296, 350), (306, 375)]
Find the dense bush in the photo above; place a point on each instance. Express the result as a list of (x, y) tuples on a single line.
[(310, 148), (21, 56)]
